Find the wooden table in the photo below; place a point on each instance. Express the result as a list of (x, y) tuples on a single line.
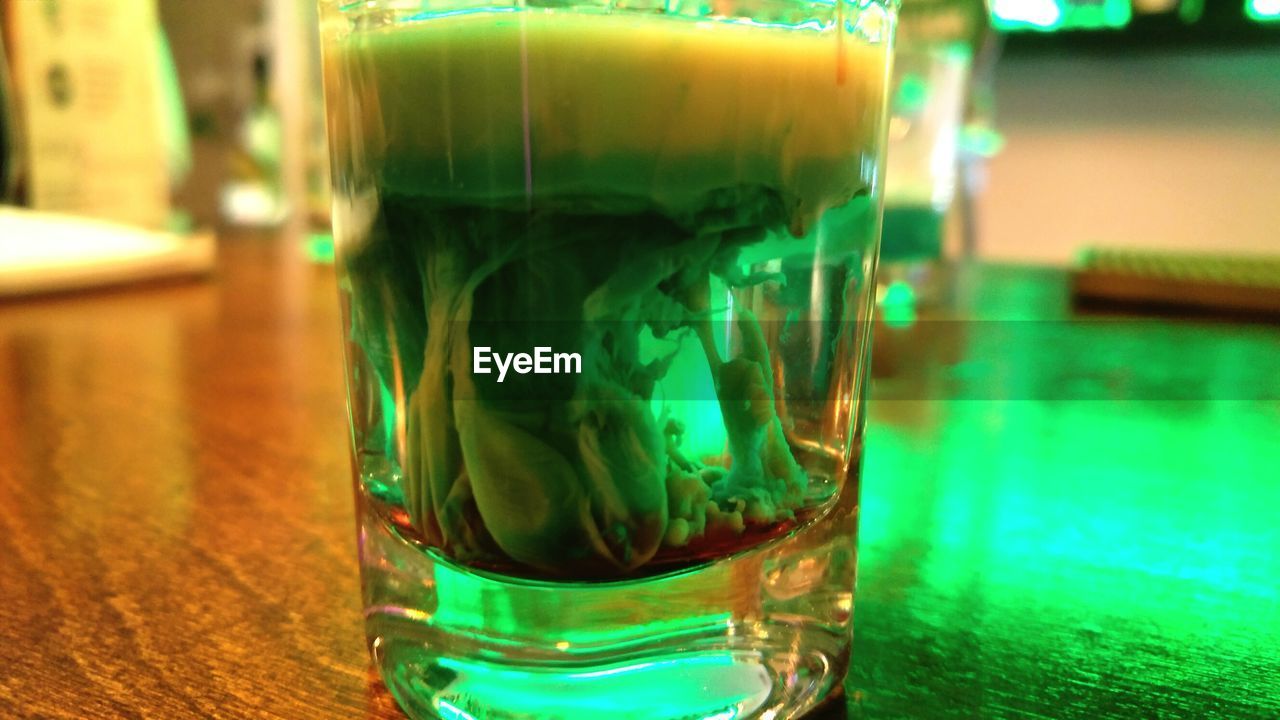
[(176, 526)]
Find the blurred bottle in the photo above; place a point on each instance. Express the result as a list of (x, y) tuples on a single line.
[(254, 196), (932, 97), (10, 142)]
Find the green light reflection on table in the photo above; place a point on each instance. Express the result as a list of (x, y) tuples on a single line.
[(1084, 536)]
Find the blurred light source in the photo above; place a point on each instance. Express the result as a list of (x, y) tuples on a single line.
[(1188, 11), (1263, 10), (1012, 14), (1051, 15), (319, 248), (897, 304)]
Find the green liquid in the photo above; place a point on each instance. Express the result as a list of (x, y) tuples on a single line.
[(690, 207), (645, 193)]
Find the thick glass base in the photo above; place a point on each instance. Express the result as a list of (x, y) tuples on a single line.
[(762, 634)]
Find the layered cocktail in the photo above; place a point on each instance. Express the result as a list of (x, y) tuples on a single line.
[(606, 275)]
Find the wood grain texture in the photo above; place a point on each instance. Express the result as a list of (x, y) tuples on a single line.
[(177, 530), (176, 521)]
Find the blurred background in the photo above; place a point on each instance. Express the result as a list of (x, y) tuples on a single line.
[(1061, 518), (1024, 131)]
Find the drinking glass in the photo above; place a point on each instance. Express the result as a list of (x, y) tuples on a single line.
[(606, 272), (928, 91)]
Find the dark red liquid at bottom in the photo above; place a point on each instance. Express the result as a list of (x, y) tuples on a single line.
[(699, 551)]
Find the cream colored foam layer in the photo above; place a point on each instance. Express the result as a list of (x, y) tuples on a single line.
[(513, 108)]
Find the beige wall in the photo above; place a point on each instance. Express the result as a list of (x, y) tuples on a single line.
[(1154, 151)]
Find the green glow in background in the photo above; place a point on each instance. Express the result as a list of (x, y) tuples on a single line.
[(1263, 10), (1051, 15), (1034, 548)]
